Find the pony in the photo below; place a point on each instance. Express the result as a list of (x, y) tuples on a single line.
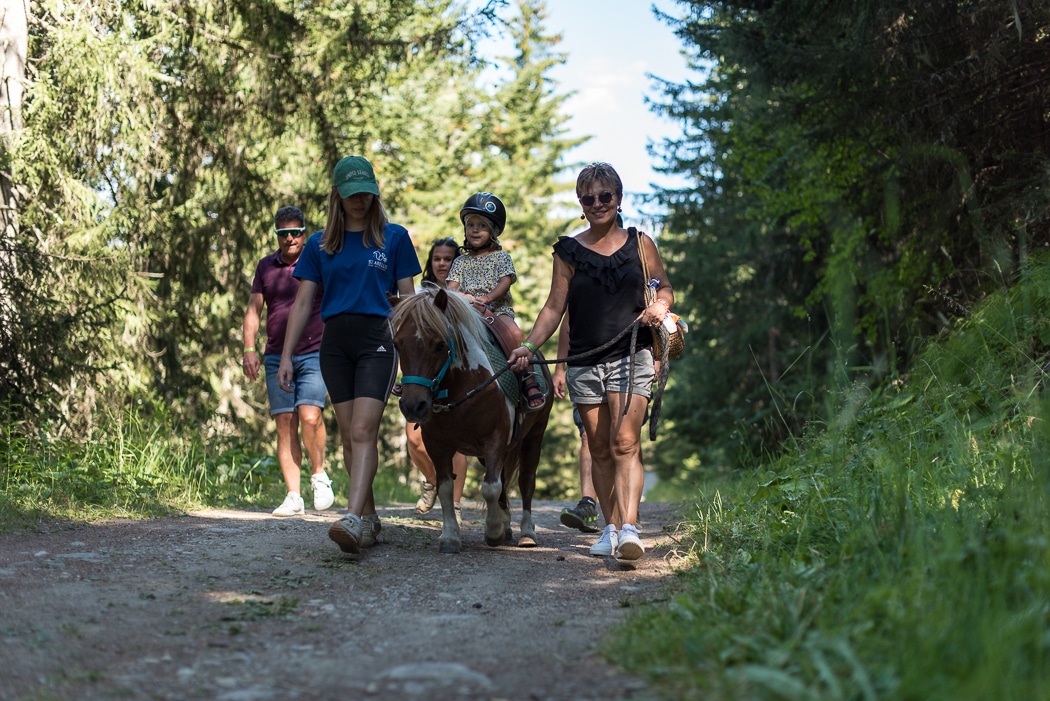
[(449, 387)]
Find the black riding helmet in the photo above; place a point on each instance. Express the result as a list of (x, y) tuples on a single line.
[(487, 205)]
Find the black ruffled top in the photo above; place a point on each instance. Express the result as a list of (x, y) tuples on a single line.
[(605, 296)]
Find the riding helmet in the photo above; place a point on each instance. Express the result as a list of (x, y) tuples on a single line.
[(487, 205)]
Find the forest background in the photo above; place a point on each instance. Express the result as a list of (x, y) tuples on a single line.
[(864, 176)]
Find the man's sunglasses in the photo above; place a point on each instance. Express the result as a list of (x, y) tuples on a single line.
[(588, 200), (295, 231)]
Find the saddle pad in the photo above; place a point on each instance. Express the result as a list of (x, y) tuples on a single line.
[(508, 381)]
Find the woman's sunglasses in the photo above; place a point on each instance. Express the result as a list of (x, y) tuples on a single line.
[(295, 231), (604, 197)]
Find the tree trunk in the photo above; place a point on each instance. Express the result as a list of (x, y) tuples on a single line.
[(14, 38)]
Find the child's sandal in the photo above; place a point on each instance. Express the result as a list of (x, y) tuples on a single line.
[(535, 399)]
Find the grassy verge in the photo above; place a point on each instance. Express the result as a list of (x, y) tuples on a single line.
[(145, 463), (133, 466), (902, 553)]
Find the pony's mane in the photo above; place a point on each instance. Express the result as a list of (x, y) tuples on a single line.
[(432, 323)]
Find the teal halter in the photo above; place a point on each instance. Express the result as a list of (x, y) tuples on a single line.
[(432, 385)]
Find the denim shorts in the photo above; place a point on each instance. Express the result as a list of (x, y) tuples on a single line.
[(307, 385), (576, 418), (591, 384)]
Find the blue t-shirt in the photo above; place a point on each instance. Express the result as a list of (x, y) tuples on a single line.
[(356, 279)]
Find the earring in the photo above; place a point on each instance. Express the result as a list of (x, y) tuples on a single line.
[(582, 215), (619, 209)]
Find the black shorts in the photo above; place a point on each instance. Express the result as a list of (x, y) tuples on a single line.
[(358, 357)]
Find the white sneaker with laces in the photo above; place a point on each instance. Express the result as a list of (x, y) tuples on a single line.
[(606, 544), (322, 486), (629, 543), (291, 506)]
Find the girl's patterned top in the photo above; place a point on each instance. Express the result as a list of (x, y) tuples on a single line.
[(478, 275)]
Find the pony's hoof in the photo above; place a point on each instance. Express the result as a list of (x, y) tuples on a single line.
[(448, 548), (494, 542), (525, 541)]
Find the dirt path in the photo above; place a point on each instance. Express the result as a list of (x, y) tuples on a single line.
[(239, 606)]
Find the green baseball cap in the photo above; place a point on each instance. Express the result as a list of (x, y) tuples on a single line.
[(354, 174)]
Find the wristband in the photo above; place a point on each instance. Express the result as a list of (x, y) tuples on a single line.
[(249, 350), (526, 344), (664, 302)]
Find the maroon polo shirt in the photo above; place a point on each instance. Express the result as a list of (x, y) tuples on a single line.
[(274, 281)]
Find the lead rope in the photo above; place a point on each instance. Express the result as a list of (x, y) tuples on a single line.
[(493, 378), (658, 396), (654, 414)]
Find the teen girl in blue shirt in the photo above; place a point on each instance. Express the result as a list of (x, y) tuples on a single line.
[(359, 257)]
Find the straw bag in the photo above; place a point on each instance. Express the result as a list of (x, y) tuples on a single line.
[(675, 339)]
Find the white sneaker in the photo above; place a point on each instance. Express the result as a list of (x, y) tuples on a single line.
[(629, 544), (606, 544), (322, 485), (291, 506)]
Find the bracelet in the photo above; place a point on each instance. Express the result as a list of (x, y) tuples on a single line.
[(249, 350), (663, 302), (526, 344)]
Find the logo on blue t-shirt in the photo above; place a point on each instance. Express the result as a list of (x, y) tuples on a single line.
[(378, 260)]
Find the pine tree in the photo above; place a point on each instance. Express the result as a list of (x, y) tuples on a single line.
[(864, 171), (138, 230)]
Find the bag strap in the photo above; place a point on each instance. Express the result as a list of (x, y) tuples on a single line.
[(645, 263)]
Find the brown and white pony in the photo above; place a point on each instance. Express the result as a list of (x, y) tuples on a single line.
[(441, 341)]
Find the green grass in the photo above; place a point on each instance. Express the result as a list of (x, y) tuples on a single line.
[(901, 553), (143, 465)]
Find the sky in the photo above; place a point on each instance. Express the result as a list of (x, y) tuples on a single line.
[(612, 47)]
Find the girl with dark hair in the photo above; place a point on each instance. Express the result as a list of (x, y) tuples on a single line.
[(435, 272), (439, 261)]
